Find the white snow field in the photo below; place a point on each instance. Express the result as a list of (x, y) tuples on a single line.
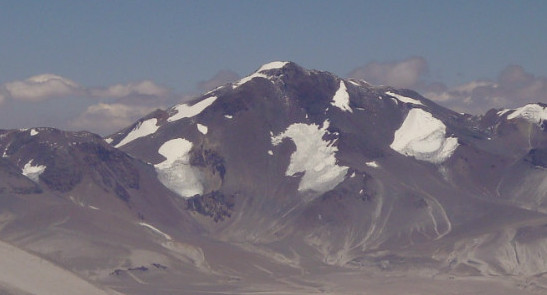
[(31, 274), (142, 129), (313, 156), (33, 172), (175, 172), (341, 98), (404, 98), (534, 113), (33, 132), (186, 111), (423, 137)]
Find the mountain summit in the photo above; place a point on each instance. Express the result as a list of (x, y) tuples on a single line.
[(297, 180)]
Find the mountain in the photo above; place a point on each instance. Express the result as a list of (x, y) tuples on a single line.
[(289, 180)]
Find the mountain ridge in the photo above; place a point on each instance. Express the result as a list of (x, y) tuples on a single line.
[(292, 171)]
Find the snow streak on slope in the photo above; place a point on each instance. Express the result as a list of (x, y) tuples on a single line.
[(341, 98), (313, 156), (502, 112), (531, 112), (141, 130), (33, 172), (404, 98), (186, 111), (258, 73), (175, 172), (156, 230), (423, 137)]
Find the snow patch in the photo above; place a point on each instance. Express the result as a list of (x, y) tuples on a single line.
[(33, 132), (273, 65), (202, 128), (33, 172), (423, 137), (108, 140), (534, 113), (175, 172), (154, 229), (186, 111), (258, 73), (270, 152), (354, 83), (404, 98), (372, 164), (228, 116), (341, 98), (313, 156), (142, 129)]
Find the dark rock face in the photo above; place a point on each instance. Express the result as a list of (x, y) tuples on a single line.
[(537, 157), (210, 160), (72, 160), (215, 204), (61, 175)]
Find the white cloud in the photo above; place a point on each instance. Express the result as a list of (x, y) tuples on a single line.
[(401, 74), (41, 87), (103, 109), (47, 86)]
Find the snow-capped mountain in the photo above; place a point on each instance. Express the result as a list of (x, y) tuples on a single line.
[(281, 180)]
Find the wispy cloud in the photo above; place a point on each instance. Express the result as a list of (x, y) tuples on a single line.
[(141, 88), (220, 78), (51, 86), (512, 88), (105, 118), (108, 108), (401, 74)]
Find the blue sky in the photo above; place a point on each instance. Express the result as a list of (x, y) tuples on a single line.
[(453, 51)]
